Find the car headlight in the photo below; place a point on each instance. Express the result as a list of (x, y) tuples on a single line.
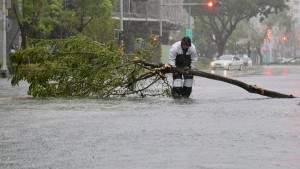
[(212, 64), (225, 64)]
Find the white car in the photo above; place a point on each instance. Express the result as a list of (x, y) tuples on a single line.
[(228, 62), (247, 61)]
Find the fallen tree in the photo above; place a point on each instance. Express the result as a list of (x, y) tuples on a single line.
[(80, 67), (163, 69)]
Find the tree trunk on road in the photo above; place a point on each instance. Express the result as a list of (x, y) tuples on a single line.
[(249, 88), (163, 69)]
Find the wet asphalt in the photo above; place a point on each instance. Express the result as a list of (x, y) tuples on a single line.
[(220, 127)]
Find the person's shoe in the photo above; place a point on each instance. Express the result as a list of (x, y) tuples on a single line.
[(186, 91), (176, 92)]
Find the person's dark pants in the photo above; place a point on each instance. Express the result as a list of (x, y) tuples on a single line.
[(182, 85)]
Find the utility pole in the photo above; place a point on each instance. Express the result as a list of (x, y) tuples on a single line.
[(249, 39), (160, 17), (121, 36), (189, 18), (121, 15), (4, 70)]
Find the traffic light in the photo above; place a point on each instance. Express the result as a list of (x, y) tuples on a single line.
[(285, 38), (155, 38), (269, 33), (121, 35), (212, 4)]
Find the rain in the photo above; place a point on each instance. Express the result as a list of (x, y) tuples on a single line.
[(220, 126)]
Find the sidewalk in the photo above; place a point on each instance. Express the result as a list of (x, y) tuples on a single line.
[(7, 90)]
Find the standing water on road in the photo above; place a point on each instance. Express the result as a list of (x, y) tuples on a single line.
[(220, 127)]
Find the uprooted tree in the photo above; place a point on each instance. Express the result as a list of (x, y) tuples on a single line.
[(80, 67)]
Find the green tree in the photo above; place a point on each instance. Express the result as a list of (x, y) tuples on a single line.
[(237, 42), (102, 27), (36, 18), (89, 17), (283, 20), (57, 19), (223, 20), (203, 39)]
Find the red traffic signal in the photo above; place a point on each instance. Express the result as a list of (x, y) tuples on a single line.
[(212, 4), (155, 38), (285, 38)]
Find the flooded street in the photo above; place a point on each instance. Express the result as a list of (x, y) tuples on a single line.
[(220, 127)]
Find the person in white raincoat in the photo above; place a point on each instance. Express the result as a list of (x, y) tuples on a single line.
[(183, 54)]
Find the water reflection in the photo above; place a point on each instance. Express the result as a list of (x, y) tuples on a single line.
[(183, 101), (223, 73), (267, 71), (284, 71), (279, 70)]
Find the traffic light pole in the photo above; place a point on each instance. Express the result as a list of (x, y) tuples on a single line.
[(4, 70), (121, 15), (189, 18), (160, 17), (121, 27), (182, 4), (185, 4)]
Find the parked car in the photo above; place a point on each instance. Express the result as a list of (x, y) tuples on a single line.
[(295, 60), (289, 60), (228, 62), (284, 60), (246, 61)]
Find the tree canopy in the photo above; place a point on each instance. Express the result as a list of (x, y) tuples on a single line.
[(59, 19), (223, 20), (79, 67)]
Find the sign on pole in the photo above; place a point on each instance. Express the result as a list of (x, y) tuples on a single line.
[(189, 33)]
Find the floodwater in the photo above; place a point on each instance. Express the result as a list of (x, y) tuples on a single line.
[(220, 127)]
